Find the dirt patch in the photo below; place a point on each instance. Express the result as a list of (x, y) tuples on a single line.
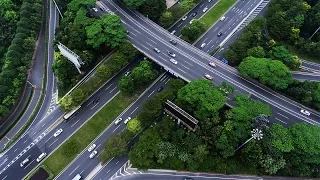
[(41, 174), (170, 3)]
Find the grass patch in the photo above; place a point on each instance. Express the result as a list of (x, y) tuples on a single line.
[(216, 12), (306, 57), (86, 134)]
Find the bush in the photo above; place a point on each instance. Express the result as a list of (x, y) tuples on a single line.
[(71, 148)]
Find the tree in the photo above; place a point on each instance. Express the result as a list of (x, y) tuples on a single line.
[(194, 31), (134, 4), (271, 165), (114, 147), (78, 96), (134, 125), (201, 97), (151, 109), (153, 8), (260, 122), (142, 73), (126, 85), (270, 72), (281, 138), (187, 4), (282, 54), (257, 52), (67, 103), (74, 5), (106, 30), (166, 19)]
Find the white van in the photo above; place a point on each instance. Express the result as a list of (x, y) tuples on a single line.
[(43, 155), (77, 177)]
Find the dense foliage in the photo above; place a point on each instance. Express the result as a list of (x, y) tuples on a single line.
[(18, 58), (194, 31), (152, 9)]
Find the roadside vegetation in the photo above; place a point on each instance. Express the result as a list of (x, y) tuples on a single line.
[(19, 31), (292, 151)]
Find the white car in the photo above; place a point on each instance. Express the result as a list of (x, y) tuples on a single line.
[(59, 131), (212, 64), (173, 61), (117, 121), (222, 18), (208, 76), (305, 112), (184, 18), (156, 50), (203, 45), (191, 21), (93, 154), (205, 9), (127, 120), (95, 9), (24, 162), (91, 147), (174, 31), (171, 54)]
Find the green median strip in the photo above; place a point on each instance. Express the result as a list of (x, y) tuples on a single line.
[(87, 133), (216, 12)]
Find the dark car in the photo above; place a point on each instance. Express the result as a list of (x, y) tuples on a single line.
[(194, 14), (96, 100), (173, 42), (160, 89), (219, 34)]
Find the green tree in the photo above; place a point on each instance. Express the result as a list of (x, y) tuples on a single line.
[(134, 125), (271, 165), (151, 109), (74, 5), (281, 138), (126, 85), (166, 19), (78, 96), (193, 32), (270, 72), (153, 8), (201, 97), (142, 73), (134, 4), (106, 30), (67, 103), (114, 147), (283, 54), (187, 4), (257, 52)]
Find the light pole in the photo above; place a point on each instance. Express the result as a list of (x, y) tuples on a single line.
[(57, 8), (255, 134), (314, 32)]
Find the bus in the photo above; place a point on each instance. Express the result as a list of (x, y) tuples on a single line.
[(77, 177), (70, 114)]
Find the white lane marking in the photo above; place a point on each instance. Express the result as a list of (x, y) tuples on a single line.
[(134, 110), (116, 128), (152, 41), (149, 44), (167, 81), (180, 24), (95, 105), (29, 164), (53, 142), (151, 93), (34, 133), (201, 5), (15, 150), (75, 123), (43, 125), (25, 141), (108, 171), (4, 177), (283, 115), (117, 162), (108, 87), (81, 172), (181, 70), (209, 41), (188, 63), (133, 33), (113, 89), (184, 66), (281, 121), (215, 29), (74, 170)]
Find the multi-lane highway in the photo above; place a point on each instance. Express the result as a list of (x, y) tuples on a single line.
[(193, 64), (83, 164)]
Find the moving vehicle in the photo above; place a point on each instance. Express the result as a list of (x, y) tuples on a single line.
[(173, 42), (93, 154), (203, 45), (72, 113), (95, 9), (173, 61), (184, 18), (156, 50), (305, 112), (212, 64), (219, 34), (205, 9), (77, 177), (91, 147), (42, 156), (208, 76), (117, 121), (191, 21), (194, 14), (127, 73), (171, 54), (57, 133), (127, 120), (174, 31), (223, 18), (96, 100), (24, 162), (160, 89)]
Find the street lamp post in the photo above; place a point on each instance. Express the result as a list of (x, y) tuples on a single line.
[(57, 8), (255, 134)]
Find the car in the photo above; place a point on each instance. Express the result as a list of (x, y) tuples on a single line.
[(128, 32), (91, 147), (212, 64), (160, 89), (95, 9), (208, 76), (191, 21), (173, 61), (96, 100), (171, 54), (194, 14), (205, 9), (184, 18), (42, 156), (127, 73), (24, 162), (127, 120), (187, 179), (305, 112), (117, 121), (203, 45), (172, 32), (224, 90), (222, 18), (101, 9), (93, 154), (209, 0), (57, 133), (219, 34), (156, 50), (173, 42)]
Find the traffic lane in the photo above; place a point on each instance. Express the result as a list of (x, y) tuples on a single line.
[(310, 66), (306, 76), (14, 171), (197, 9), (108, 170), (231, 71), (81, 160)]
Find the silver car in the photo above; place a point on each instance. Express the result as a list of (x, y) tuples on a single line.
[(93, 154), (117, 121)]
